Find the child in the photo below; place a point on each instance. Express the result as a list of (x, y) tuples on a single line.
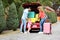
[(29, 24)]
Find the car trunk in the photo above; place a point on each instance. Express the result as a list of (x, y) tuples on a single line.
[(33, 6)]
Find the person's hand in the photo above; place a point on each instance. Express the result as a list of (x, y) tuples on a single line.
[(38, 18), (26, 18)]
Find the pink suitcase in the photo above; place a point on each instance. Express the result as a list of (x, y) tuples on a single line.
[(47, 28)]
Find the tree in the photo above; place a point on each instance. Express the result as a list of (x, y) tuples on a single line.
[(27, 1), (45, 2), (31, 0), (5, 3), (52, 16), (12, 20), (2, 17), (17, 3), (10, 1), (20, 12), (49, 2)]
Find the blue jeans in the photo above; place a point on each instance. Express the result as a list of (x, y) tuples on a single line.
[(41, 24), (23, 23)]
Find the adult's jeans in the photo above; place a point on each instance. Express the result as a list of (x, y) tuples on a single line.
[(23, 23), (41, 24)]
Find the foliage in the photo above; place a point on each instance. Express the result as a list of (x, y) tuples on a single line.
[(2, 17), (5, 3), (12, 20), (20, 12), (16, 10), (17, 3), (52, 16), (49, 2)]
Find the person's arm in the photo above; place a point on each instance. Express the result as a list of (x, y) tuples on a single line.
[(50, 9), (39, 16)]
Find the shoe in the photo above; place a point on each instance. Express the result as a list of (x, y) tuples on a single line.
[(21, 32), (40, 32), (28, 32), (25, 32)]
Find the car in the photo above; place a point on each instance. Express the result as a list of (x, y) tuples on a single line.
[(35, 25)]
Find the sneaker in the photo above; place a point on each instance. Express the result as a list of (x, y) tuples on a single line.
[(40, 32), (21, 32), (25, 32), (28, 32)]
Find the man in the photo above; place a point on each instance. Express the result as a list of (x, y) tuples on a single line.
[(24, 18)]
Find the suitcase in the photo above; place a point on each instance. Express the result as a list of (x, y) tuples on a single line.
[(47, 28), (33, 20), (36, 15), (37, 19), (31, 14)]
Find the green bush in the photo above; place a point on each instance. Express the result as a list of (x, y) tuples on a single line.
[(12, 20), (52, 16), (2, 18), (20, 12)]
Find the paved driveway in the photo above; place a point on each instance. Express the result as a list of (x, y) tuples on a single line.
[(35, 36)]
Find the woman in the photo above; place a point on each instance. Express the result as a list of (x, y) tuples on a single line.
[(24, 17), (43, 17)]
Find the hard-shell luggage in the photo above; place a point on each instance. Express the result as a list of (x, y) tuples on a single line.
[(36, 15), (37, 18), (33, 20), (31, 14), (47, 28)]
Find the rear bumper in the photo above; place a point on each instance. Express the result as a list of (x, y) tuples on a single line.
[(35, 28)]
